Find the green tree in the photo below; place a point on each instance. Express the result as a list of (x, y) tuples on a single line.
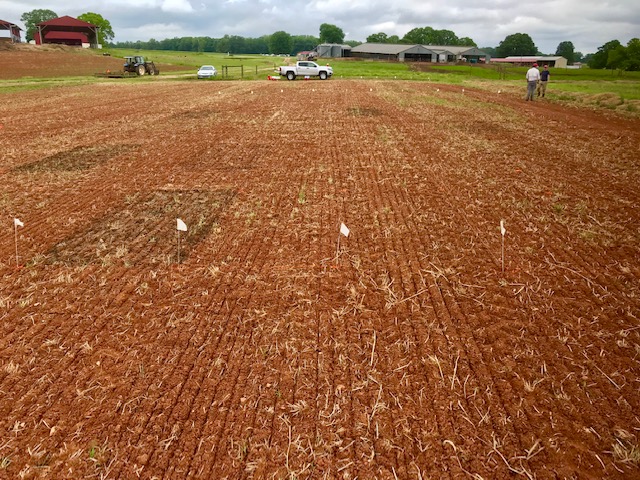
[(420, 36), (303, 43), (566, 50), (187, 44), (492, 51), (32, 18), (231, 44), (445, 37), (280, 42), (516, 44), (331, 34), (600, 58), (202, 43), (466, 42), (105, 33), (633, 54), (257, 45), (430, 36), (617, 58), (378, 38)]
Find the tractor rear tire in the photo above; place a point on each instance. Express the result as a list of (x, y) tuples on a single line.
[(141, 70)]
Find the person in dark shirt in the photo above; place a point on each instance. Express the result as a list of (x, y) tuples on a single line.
[(544, 78)]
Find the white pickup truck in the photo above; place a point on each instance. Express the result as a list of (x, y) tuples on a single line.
[(306, 69)]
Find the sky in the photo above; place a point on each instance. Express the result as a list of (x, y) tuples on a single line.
[(588, 24)]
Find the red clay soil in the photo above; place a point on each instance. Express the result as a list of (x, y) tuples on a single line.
[(411, 354), (49, 61)]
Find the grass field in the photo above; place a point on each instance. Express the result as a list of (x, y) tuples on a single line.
[(607, 89), (599, 88)]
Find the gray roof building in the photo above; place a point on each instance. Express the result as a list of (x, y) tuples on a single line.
[(422, 53), (528, 60), (333, 50)]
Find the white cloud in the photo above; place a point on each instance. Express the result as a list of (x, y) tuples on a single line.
[(154, 30), (176, 6)]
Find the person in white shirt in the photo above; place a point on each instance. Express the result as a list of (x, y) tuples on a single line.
[(533, 77)]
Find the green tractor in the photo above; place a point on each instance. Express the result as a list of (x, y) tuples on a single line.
[(140, 66)]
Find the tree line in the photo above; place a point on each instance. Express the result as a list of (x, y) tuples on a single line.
[(228, 44), (423, 36), (277, 43), (615, 56), (611, 55)]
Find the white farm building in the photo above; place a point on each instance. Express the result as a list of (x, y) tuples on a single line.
[(527, 61)]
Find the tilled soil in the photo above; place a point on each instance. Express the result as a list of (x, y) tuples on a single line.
[(277, 348), (24, 61)]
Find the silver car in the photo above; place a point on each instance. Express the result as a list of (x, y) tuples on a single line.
[(207, 71)]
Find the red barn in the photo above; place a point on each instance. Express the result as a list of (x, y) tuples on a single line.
[(14, 31), (67, 31)]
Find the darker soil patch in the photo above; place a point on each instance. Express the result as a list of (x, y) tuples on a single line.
[(143, 230), (76, 159)]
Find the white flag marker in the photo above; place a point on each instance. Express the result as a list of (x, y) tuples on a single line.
[(343, 231), (180, 227), (502, 232), (17, 223)]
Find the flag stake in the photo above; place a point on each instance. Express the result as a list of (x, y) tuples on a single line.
[(502, 232), (503, 254), (178, 246), (342, 231), (15, 228), (17, 223), (180, 227)]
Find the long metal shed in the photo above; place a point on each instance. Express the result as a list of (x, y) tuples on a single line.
[(393, 51), (419, 53), (454, 53), (528, 60)]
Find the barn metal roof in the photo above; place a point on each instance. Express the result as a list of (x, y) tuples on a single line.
[(526, 59), (454, 50), (396, 49), (65, 24), (389, 48), (530, 58), (66, 21), (7, 25)]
